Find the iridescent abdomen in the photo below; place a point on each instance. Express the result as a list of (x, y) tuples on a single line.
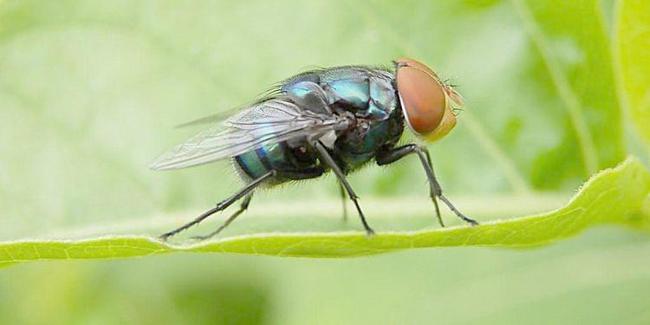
[(291, 160)]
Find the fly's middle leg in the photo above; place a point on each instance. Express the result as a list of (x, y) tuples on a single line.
[(343, 202), (327, 159), (435, 191)]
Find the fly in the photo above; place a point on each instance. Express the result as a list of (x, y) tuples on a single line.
[(333, 119)]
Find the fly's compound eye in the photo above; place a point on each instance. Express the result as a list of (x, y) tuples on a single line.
[(424, 99)]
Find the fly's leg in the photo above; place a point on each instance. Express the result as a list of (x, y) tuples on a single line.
[(440, 195), (345, 206), (242, 208), (222, 205), (435, 191), (329, 161)]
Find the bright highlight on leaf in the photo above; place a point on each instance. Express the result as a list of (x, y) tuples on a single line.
[(613, 196), (633, 46)]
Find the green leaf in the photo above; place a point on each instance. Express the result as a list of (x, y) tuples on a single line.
[(613, 196), (632, 46)]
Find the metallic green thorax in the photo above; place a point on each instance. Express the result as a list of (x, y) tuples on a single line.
[(368, 93)]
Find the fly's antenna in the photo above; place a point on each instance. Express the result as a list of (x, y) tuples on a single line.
[(449, 83)]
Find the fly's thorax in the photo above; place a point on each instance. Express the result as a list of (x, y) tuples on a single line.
[(366, 92), (357, 146)]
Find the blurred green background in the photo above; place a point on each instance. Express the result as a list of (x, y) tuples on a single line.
[(90, 92)]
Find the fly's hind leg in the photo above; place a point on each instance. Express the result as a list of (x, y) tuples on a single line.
[(395, 154), (242, 208), (248, 189), (305, 174)]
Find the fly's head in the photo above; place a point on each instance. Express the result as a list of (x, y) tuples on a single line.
[(428, 104)]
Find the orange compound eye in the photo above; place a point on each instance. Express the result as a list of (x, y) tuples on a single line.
[(424, 99)]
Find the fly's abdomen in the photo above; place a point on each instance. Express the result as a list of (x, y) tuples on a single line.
[(290, 161), (250, 165)]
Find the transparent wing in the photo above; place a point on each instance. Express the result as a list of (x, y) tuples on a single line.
[(272, 121), (210, 119), (271, 93)]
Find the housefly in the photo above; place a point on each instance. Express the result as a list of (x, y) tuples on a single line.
[(331, 119)]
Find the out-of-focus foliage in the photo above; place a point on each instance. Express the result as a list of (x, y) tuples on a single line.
[(90, 91), (633, 48)]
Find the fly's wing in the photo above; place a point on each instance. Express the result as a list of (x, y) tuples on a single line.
[(219, 117), (210, 119), (272, 121)]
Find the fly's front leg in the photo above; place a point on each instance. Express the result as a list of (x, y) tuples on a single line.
[(439, 189), (327, 159), (395, 154)]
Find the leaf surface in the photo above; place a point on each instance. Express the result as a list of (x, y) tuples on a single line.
[(615, 196)]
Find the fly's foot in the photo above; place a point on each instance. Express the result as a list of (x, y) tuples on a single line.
[(200, 238), (216, 232), (471, 221), (444, 199), (164, 237)]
